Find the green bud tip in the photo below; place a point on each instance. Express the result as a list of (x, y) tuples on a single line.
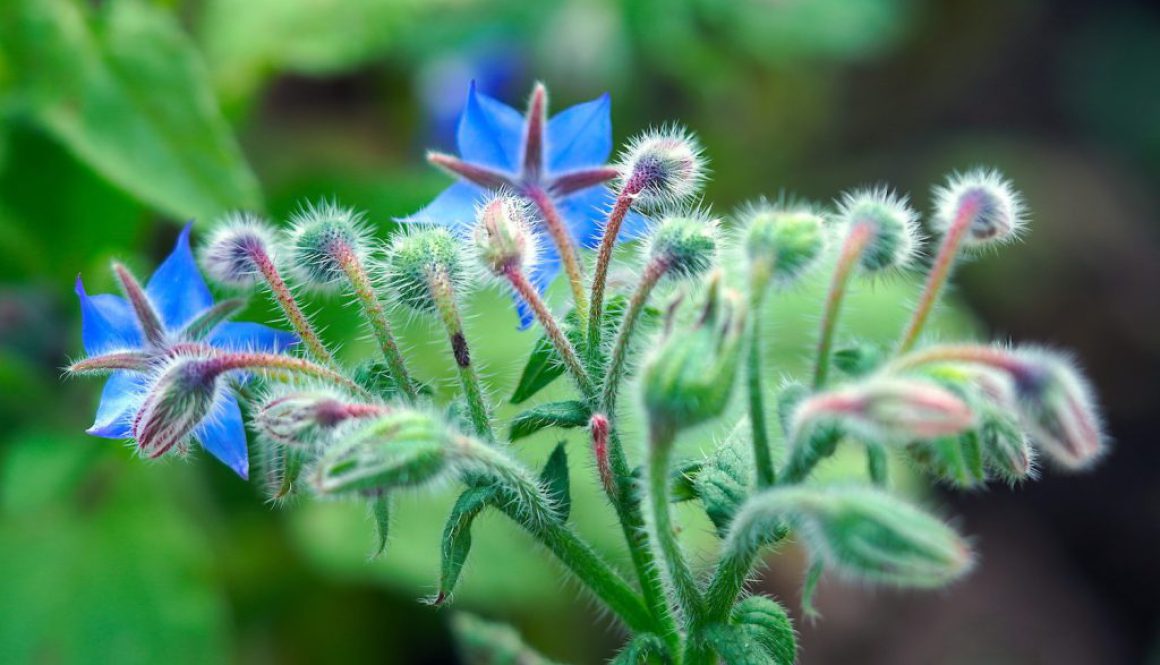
[(690, 375), (662, 167), (685, 244), (1058, 409), (237, 243), (503, 236), (323, 238), (785, 238), (309, 418), (893, 223), (418, 257), (996, 211)]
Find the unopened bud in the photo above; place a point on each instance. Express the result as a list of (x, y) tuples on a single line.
[(685, 244), (886, 410), (418, 257), (1058, 410), (662, 167), (689, 377), (892, 223), (238, 243), (307, 419), (404, 448), (324, 238), (1006, 449), (503, 235), (181, 395), (994, 210), (787, 241)]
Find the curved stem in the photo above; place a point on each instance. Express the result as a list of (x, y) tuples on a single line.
[(559, 232), (684, 584), (939, 272), (603, 261), (376, 315), (290, 308), (762, 459), (281, 363), (468, 378), (567, 353), (965, 353), (856, 241), (653, 273)]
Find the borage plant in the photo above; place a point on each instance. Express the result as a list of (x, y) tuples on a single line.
[(532, 195)]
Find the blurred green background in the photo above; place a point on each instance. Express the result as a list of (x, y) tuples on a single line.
[(121, 118)]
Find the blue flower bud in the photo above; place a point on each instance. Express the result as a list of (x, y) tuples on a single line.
[(892, 223), (238, 243), (662, 167), (995, 210), (1058, 409)]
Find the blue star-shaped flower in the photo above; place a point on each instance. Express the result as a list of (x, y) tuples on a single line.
[(558, 163), (183, 311)]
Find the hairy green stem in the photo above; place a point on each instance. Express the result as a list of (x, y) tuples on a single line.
[(274, 362), (684, 584), (653, 272), (856, 242), (563, 347), (444, 297), (603, 260), (762, 459), (286, 301), (559, 232)]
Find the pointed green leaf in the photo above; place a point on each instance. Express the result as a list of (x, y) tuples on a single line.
[(767, 622), (380, 505), (555, 480), (736, 646), (457, 537), (565, 414), (640, 649), (724, 483)]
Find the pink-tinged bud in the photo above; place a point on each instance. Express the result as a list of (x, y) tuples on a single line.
[(180, 397), (886, 410), (893, 227), (599, 427), (662, 167), (239, 242), (983, 200), (503, 235), (309, 419), (1058, 409)]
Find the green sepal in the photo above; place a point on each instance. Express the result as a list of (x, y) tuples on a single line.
[(456, 543), (205, 323), (683, 481), (767, 622), (878, 464), (640, 650), (279, 468), (555, 480), (486, 643), (724, 483), (810, 588), (859, 359), (375, 376), (788, 399), (380, 505), (735, 645), (957, 460), (566, 415)]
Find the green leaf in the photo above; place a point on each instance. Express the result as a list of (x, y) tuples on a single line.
[(639, 649), (122, 87), (380, 505), (724, 483), (683, 481), (735, 645), (555, 480), (567, 414), (457, 536), (487, 643), (766, 621)]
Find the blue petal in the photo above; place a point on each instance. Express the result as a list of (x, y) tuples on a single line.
[(634, 226), (107, 322), (490, 132), (586, 211), (177, 289), (224, 436), (541, 276), (244, 336), (119, 402), (454, 207), (580, 136)]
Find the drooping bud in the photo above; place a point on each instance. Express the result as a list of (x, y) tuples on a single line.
[(690, 375), (1058, 410), (686, 245), (885, 410), (325, 238), (239, 241), (993, 210), (403, 448), (863, 532), (308, 419), (784, 242), (415, 258), (180, 396), (1006, 449), (503, 235), (662, 167), (892, 227)]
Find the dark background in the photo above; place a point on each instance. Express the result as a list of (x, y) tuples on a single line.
[(104, 556)]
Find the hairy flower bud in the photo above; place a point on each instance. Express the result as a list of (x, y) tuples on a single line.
[(886, 410), (403, 448), (1058, 410), (1006, 449), (415, 258), (994, 209), (302, 419), (690, 375), (782, 241), (238, 242), (181, 395), (685, 244), (892, 223), (662, 167), (324, 237), (503, 235)]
